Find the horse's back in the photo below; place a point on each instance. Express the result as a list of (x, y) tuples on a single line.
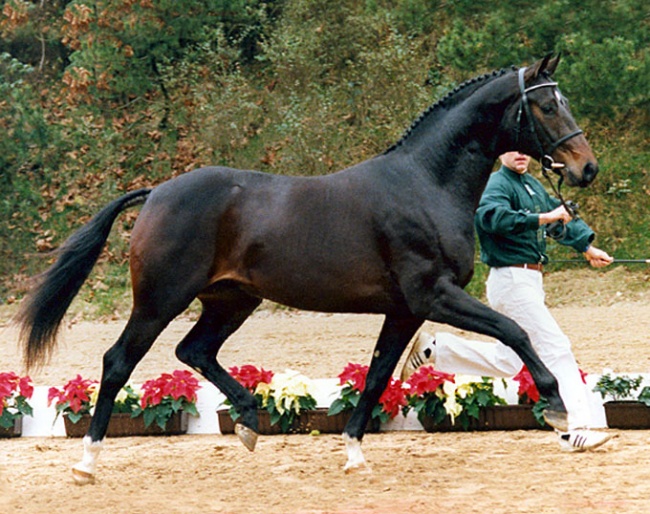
[(296, 240)]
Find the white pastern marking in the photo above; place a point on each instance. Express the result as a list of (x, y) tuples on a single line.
[(355, 455), (88, 462)]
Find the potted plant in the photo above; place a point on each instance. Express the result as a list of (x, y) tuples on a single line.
[(446, 402), (166, 400), (168, 396), (353, 382), (250, 377), (531, 404), (624, 407), (285, 397), (427, 397), (15, 391), (73, 399), (282, 399), (479, 406)]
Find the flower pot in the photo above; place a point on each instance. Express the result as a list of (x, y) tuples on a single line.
[(123, 425), (627, 414), (318, 419), (307, 422), (14, 431), (511, 417), (447, 426), (227, 425), (497, 417)]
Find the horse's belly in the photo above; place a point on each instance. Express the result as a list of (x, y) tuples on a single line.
[(316, 289)]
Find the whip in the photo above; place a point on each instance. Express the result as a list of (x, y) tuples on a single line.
[(615, 261)]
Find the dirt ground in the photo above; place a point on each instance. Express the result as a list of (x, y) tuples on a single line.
[(412, 472)]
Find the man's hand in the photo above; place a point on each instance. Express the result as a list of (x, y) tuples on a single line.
[(557, 214), (598, 258)]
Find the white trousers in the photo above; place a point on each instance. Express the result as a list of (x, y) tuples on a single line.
[(519, 294)]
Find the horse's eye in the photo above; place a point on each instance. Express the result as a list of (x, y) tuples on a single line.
[(548, 108)]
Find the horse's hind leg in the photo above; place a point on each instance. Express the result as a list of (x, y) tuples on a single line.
[(393, 339), (223, 313), (119, 362)]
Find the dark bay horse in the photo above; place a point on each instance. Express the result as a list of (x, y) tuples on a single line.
[(392, 235)]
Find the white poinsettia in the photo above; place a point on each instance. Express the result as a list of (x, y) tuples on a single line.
[(126, 395), (462, 386), (93, 393), (286, 389)]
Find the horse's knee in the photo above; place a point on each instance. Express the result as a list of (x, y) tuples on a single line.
[(184, 354)]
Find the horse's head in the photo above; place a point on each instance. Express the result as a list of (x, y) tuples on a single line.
[(545, 129)]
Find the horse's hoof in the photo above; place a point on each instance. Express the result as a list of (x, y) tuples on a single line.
[(558, 420), (357, 468), (82, 477), (246, 436)]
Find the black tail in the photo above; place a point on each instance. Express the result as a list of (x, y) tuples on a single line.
[(42, 311)]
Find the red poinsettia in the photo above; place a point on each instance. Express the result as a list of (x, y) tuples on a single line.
[(393, 399), (528, 392), (14, 393), (353, 378), (166, 395), (249, 376), (177, 385), (74, 398), (427, 380), (426, 395), (354, 375)]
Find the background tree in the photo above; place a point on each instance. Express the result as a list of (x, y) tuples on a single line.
[(99, 97)]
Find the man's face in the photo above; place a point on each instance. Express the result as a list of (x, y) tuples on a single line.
[(515, 161)]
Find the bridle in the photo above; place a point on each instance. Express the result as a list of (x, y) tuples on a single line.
[(547, 162)]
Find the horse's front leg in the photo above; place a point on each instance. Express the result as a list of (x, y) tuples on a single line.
[(393, 339), (452, 305)]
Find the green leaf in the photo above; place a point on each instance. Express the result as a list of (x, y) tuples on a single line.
[(538, 410), (190, 408), (338, 406), (24, 407), (472, 410), (74, 417), (7, 419), (161, 420), (644, 396), (148, 416)]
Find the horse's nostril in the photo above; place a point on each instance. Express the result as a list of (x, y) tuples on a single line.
[(590, 171)]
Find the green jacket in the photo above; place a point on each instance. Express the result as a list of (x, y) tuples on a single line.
[(507, 221)]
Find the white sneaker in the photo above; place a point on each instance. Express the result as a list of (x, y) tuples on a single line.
[(423, 352), (581, 440)]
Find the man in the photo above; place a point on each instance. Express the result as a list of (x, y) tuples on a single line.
[(511, 221)]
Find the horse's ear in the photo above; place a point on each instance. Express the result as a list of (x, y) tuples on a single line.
[(547, 65), (552, 65)]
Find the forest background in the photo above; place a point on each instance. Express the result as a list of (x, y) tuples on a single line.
[(101, 97)]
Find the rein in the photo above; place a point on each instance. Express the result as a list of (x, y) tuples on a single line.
[(547, 162)]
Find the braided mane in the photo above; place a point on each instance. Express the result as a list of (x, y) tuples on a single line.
[(448, 100)]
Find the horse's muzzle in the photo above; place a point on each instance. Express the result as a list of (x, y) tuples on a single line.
[(589, 173)]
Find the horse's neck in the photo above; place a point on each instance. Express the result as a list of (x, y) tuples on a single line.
[(458, 145)]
